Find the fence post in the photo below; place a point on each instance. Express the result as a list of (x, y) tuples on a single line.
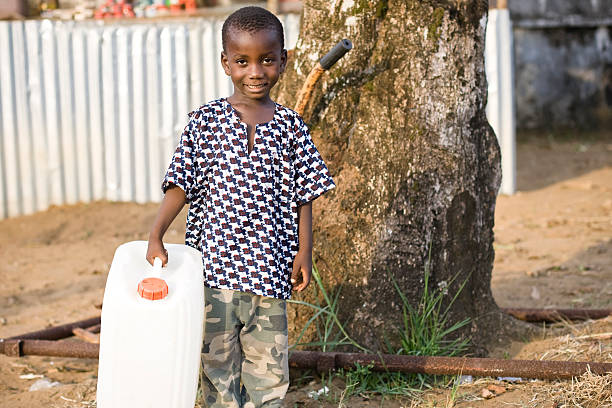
[(499, 65)]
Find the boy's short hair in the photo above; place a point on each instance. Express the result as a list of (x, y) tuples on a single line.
[(252, 19)]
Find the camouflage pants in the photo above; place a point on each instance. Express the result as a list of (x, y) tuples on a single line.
[(244, 357)]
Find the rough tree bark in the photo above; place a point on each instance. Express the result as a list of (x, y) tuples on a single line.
[(401, 123)]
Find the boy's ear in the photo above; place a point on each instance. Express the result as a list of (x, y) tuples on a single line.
[(283, 64), (225, 64)]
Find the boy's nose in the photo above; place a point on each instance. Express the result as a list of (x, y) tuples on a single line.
[(255, 70)]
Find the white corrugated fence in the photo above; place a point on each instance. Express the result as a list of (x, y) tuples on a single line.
[(92, 111)]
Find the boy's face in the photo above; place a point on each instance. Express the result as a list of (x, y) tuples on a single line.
[(254, 61)]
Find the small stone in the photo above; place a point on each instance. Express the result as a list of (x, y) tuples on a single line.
[(316, 394), (465, 379), (496, 389), (533, 274), (486, 394)]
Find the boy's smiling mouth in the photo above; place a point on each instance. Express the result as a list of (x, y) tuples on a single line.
[(255, 86)]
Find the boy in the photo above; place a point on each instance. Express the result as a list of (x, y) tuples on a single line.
[(250, 171)]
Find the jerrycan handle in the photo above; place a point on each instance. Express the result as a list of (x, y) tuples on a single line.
[(157, 267)]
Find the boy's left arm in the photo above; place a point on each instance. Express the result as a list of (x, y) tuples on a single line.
[(302, 264)]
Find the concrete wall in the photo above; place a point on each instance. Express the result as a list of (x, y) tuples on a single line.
[(563, 62)]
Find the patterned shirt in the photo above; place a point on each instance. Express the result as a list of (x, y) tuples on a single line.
[(243, 206)]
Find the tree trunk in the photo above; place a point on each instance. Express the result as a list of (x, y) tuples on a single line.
[(400, 120)]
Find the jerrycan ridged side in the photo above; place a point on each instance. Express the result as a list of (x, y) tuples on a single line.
[(151, 333)]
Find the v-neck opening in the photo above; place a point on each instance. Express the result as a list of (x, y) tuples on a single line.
[(245, 128)]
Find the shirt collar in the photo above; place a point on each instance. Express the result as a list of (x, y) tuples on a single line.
[(233, 113)]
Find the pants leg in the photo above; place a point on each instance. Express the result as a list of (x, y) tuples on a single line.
[(221, 352), (265, 365), (245, 358)]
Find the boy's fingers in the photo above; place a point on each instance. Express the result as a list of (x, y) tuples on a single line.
[(163, 256), (305, 280), (294, 275)]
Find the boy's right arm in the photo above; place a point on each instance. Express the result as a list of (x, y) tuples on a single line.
[(171, 205)]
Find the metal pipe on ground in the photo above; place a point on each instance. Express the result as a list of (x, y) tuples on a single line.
[(322, 362), (52, 333), (58, 332), (61, 348), (480, 367), (529, 315), (556, 315)]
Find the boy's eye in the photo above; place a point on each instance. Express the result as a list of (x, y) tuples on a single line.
[(240, 62), (268, 60)]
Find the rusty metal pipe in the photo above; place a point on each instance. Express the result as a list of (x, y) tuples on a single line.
[(322, 362), (556, 315), (52, 333), (62, 348), (58, 332), (77, 349), (480, 367)]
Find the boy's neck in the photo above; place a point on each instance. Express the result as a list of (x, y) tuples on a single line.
[(250, 104), (253, 111)]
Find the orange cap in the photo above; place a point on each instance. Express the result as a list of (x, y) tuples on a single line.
[(153, 288)]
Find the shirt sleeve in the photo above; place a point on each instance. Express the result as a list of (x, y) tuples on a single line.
[(182, 169), (312, 176)]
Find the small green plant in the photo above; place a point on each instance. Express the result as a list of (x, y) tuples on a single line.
[(426, 327), (363, 380), (358, 379), (451, 399), (330, 331)]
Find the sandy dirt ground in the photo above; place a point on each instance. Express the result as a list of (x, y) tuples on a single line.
[(553, 244)]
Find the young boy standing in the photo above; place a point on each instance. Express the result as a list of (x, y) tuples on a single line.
[(249, 170)]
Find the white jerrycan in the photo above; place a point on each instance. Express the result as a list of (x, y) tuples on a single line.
[(151, 335)]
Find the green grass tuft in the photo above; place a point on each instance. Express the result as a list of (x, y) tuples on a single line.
[(330, 331), (425, 330)]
